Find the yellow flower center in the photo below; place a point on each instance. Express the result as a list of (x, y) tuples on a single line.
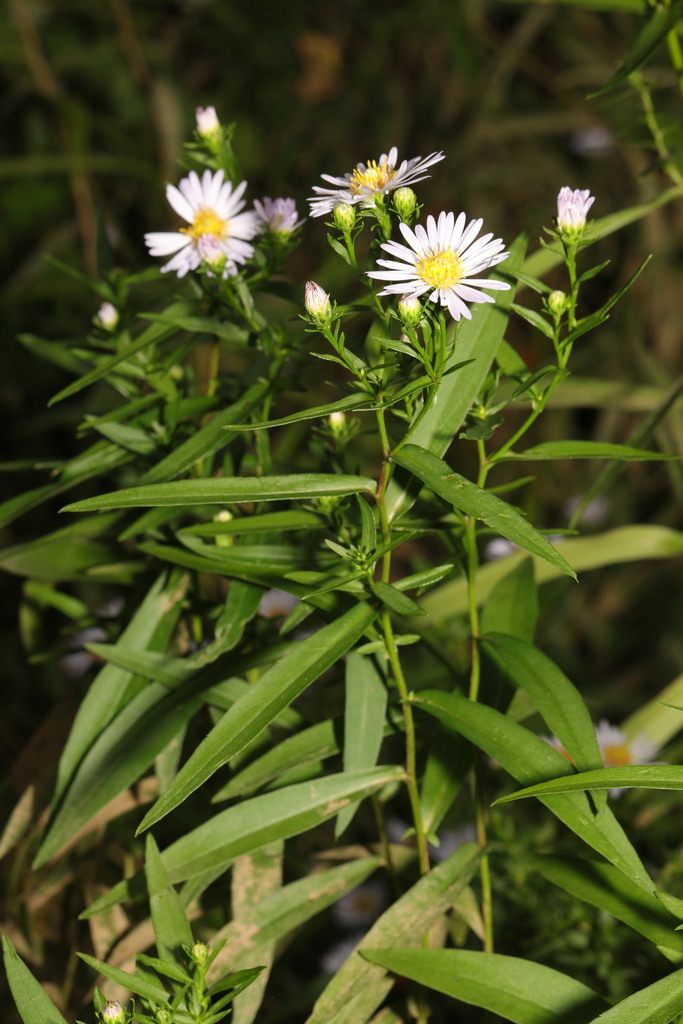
[(440, 269), (375, 176), (206, 222), (617, 754)]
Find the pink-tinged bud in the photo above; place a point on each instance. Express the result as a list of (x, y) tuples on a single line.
[(572, 210), (112, 1013), (108, 316), (208, 124), (317, 302)]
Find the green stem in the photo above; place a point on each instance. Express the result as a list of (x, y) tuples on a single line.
[(393, 655), (475, 679), (653, 125)]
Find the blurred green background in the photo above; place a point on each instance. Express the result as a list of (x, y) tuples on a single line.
[(96, 102)]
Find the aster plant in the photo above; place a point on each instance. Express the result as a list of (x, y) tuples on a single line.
[(289, 491)]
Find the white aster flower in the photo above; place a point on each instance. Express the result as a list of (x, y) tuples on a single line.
[(443, 259), (617, 750), (277, 215), (572, 209), (375, 178), (217, 232)]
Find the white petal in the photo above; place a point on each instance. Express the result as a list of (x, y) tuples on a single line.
[(163, 243), (179, 203)]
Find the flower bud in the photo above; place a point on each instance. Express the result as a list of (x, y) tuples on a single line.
[(558, 303), (208, 125), (162, 1015), (410, 310), (337, 422), (107, 316), (317, 302), (223, 540), (344, 216), (112, 1013), (405, 202), (572, 210), (200, 953)]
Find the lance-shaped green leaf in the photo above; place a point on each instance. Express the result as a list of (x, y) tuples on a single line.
[(528, 758), (227, 490), (604, 886), (512, 605), (117, 759), (657, 720), (656, 1004), (515, 989), (585, 450), (364, 712), (171, 927), (477, 340), (316, 412), (32, 1001), (273, 692), (473, 501), (210, 438), (614, 547), (307, 747), (279, 914), (553, 695), (108, 689), (630, 776), (142, 985), (663, 20), (405, 922), (292, 519), (255, 877), (207, 852), (269, 817)]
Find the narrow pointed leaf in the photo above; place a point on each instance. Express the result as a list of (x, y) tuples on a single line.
[(269, 817), (604, 886), (529, 758), (515, 989), (31, 999), (364, 714), (141, 986), (631, 776), (405, 922), (279, 914), (473, 501), (614, 547), (586, 450), (273, 692), (656, 1004), (171, 928), (512, 605), (227, 490), (553, 695), (314, 413)]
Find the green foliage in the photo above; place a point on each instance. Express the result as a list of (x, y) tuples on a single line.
[(277, 566)]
